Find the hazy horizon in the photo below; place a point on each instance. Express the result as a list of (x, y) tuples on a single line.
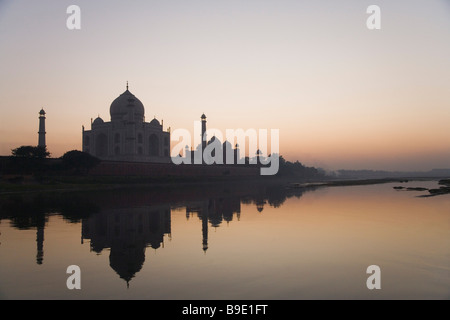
[(342, 96)]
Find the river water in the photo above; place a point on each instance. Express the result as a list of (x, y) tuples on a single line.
[(227, 242)]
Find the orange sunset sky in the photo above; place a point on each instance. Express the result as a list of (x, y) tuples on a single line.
[(342, 96)]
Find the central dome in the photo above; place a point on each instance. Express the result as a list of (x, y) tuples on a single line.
[(124, 104)]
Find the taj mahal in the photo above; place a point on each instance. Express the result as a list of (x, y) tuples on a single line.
[(127, 137)]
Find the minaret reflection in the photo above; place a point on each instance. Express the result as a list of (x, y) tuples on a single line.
[(213, 211), (127, 232), (40, 243), (204, 233)]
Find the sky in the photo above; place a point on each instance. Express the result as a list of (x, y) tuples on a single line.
[(342, 96)]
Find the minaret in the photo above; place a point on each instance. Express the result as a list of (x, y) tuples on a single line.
[(204, 139), (41, 141)]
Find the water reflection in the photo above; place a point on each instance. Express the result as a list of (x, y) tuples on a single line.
[(127, 232), (213, 212), (229, 237), (37, 222), (128, 221), (27, 212)]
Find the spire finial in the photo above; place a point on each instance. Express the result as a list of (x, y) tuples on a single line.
[(127, 85)]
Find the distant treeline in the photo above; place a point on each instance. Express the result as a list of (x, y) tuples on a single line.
[(29, 160), (298, 170), (377, 174)]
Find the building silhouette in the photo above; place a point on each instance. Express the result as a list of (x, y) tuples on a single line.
[(127, 137), (41, 133), (225, 149)]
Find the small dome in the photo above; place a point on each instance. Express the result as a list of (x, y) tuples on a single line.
[(42, 112), (203, 116), (97, 121), (121, 105), (155, 122)]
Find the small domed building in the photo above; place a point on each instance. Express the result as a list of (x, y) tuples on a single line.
[(127, 137)]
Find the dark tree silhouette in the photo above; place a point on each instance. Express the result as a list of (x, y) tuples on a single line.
[(27, 160), (38, 152), (80, 162), (297, 169)]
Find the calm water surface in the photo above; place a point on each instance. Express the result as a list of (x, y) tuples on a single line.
[(227, 242)]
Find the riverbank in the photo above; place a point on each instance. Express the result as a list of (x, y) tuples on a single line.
[(31, 184), (443, 189)]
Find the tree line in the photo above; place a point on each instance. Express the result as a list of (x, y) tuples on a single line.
[(34, 160)]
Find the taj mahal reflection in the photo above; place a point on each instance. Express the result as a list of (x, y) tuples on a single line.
[(127, 223), (127, 232)]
